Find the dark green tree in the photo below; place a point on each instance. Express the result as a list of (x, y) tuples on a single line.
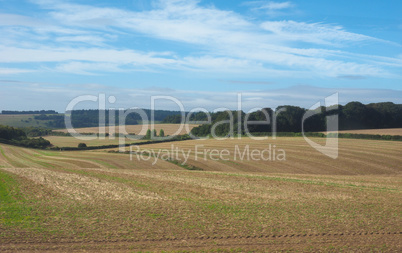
[(148, 134), (290, 118), (82, 145)]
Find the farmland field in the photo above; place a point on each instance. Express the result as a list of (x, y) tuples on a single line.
[(21, 120), (169, 129), (384, 131), (356, 157), (68, 141), (97, 200)]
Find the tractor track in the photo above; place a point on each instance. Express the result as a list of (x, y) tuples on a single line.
[(255, 241)]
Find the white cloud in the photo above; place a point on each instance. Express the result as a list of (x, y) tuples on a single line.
[(224, 41), (95, 40), (11, 71), (85, 68), (277, 5), (270, 8), (49, 54), (219, 64), (312, 32), (18, 20)]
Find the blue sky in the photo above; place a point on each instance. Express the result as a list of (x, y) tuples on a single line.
[(202, 52)]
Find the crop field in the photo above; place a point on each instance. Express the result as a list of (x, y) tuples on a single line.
[(106, 201), (68, 141), (169, 129), (21, 120), (356, 157), (385, 131)]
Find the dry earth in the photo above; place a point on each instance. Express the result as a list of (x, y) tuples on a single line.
[(169, 129), (99, 201), (385, 131), (69, 141)]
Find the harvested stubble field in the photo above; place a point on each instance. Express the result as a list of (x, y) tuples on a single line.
[(69, 141), (169, 129), (94, 200), (385, 131)]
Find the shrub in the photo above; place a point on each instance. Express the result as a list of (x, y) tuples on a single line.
[(82, 145)]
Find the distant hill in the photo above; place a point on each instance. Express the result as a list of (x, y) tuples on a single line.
[(352, 116), (30, 112), (23, 120)]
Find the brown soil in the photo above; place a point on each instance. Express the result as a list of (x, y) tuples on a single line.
[(360, 242), (384, 131), (98, 201), (169, 129)]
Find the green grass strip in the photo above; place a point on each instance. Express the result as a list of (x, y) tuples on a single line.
[(185, 166), (13, 210), (44, 164), (108, 165), (2, 153), (12, 162), (46, 153)]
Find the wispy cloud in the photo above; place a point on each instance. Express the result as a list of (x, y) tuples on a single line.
[(246, 82), (275, 5), (84, 39), (316, 33), (51, 54), (10, 71), (352, 77), (270, 8), (18, 20)]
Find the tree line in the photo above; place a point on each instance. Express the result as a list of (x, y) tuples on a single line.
[(18, 137), (150, 134), (90, 118), (30, 112), (353, 115)]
